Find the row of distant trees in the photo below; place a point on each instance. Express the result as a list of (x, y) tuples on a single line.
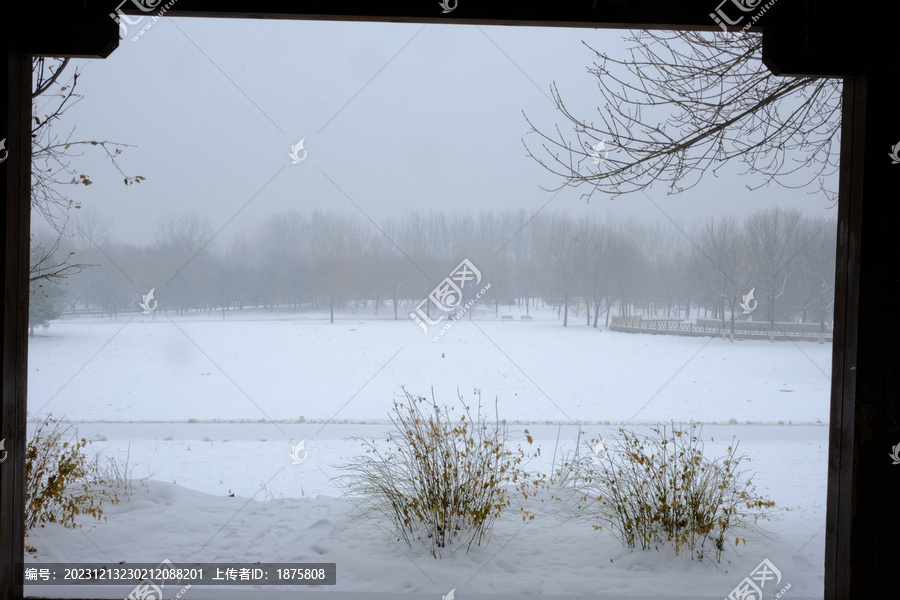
[(584, 266)]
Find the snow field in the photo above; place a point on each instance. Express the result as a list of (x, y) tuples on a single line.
[(138, 383)]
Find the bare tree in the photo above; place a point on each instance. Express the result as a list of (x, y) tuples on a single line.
[(631, 267), (721, 263), (666, 248), (773, 245), (283, 248), (52, 169), (333, 242), (90, 229), (625, 261), (45, 293), (560, 244), (240, 277), (683, 103), (816, 273), (593, 265), (184, 246)]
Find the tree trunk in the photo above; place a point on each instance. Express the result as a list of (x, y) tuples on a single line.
[(772, 314), (732, 320), (566, 311), (821, 321), (723, 315)]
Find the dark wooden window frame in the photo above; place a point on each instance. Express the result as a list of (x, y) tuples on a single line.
[(825, 38)]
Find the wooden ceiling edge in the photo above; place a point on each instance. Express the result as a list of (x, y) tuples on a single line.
[(104, 51), (69, 34), (511, 22)]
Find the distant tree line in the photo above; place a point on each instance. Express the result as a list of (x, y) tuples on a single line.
[(583, 267)]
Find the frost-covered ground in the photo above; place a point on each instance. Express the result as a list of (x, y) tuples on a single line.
[(206, 407)]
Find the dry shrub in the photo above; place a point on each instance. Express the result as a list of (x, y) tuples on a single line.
[(661, 488), (440, 480), (61, 482)]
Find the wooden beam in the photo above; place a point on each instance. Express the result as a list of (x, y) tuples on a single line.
[(67, 33), (799, 40), (607, 14), (587, 13), (15, 181), (863, 522), (812, 52)]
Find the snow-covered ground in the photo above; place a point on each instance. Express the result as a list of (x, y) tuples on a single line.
[(206, 407)]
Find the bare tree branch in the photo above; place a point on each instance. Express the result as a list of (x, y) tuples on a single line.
[(683, 103), (52, 164)]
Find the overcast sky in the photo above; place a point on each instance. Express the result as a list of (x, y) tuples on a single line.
[(395, 117)]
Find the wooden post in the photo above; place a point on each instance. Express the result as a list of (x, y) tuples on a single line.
[(15, 180), (70, 32), (863, 521)]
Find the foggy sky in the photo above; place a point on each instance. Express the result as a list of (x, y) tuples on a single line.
[(396, 117)]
